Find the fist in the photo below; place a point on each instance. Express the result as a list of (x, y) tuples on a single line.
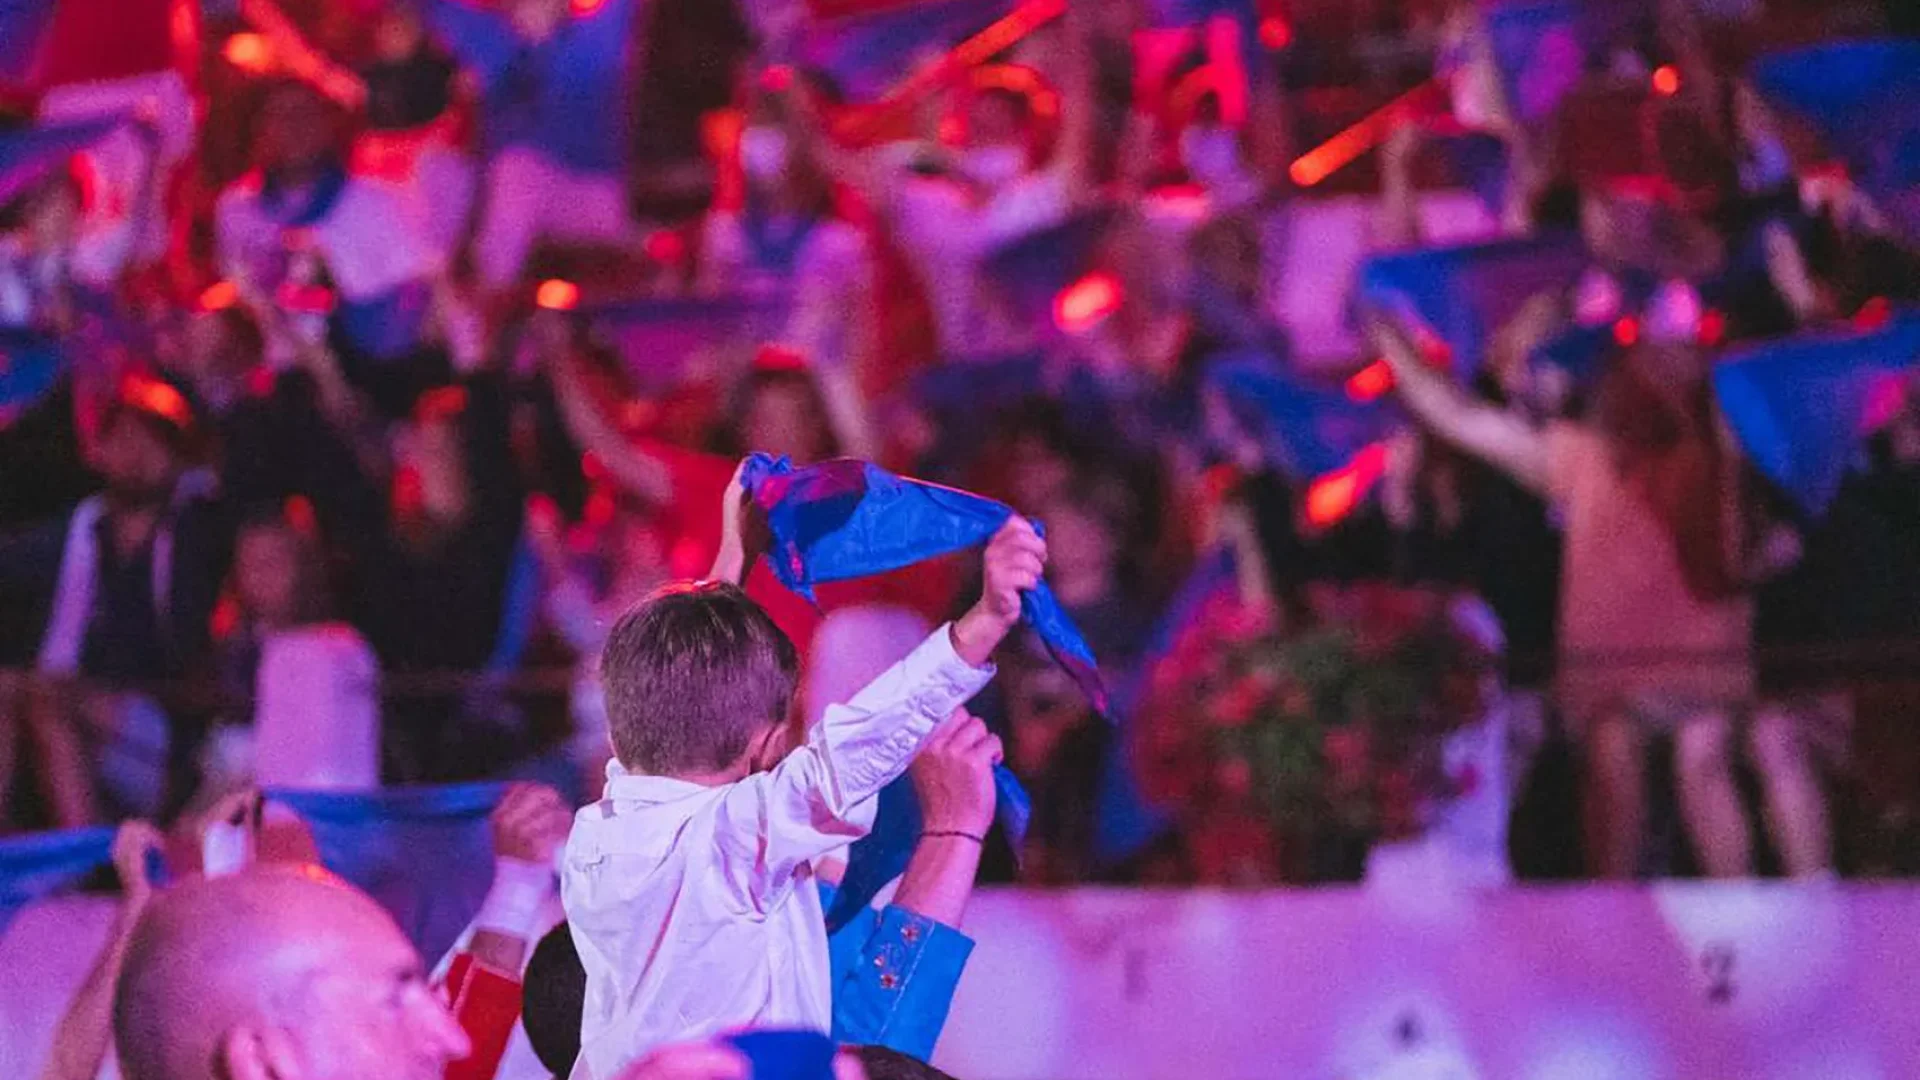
[(1015, 560), (132, 844), (530, 824), (954, 775)]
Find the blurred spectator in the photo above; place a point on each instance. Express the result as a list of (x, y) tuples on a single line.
[(785, 239), (556, 83), (299, 687), (1644, 484), (128, 581), (323, 244)]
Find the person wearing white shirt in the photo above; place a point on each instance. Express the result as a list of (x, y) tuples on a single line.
[(992, 191), (689, 887), (302, 207)]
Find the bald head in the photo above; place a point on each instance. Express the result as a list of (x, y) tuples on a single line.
[(278, 972)]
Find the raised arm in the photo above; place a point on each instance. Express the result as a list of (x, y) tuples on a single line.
[(641, 474), (1495, 436), (856, 169), (302, 59), (819, 798), (895, 971), (80, 1042), (1079, 107)]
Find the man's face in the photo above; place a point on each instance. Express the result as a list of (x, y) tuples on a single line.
[(296, 129), (367, 1012), (136, 464)]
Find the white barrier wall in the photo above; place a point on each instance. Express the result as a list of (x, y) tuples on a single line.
[(1678, 982)]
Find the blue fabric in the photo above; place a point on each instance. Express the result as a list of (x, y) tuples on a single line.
[(848, 519), (1799, 405), (30, 155), (1464, 293), (309, 204), (775, 241), (1127, 822), (1480, 164), (30, 367), (1032, 270), (1862, 97), (1309, 428), (39, 865), (1581, 352), (424, 853), (565, 97), (867, 55), (894, 975), (24, 26), (1532, 41), (775, 1054), (390, 326)]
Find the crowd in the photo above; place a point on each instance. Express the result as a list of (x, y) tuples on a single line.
[(336, 469), (366, 464)]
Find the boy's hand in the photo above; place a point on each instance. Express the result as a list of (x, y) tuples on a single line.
[(531, 824), (743, 533), (1015, 560)]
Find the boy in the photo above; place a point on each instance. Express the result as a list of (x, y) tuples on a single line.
[(688, 886)]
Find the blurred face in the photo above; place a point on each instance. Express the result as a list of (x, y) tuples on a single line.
[(640, 558), (781, 420), (996, 153), (53, 217), (537, 19), (398, 35), (266, 572), (138, 467), (1041, 475), (1080, 547), (296, 130), (367, 1012)]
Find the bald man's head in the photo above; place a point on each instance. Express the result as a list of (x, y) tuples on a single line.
[(276, 974)]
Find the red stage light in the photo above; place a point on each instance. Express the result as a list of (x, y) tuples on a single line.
[(1370, 382), (556, 295), (1084, 304)]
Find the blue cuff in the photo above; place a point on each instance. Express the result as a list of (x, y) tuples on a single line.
[(900, 988)]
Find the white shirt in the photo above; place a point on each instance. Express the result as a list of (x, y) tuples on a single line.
[(830, 290), (367, 239), (693, 908), (947, 236)]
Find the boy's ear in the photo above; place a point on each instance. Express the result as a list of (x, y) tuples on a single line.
[(772, 746)]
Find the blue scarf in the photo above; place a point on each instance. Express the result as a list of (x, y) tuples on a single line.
[(776, 240), (308, 205)]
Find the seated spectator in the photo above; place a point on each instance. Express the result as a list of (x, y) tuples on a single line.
[(294, 973), (311, 680), (128, 582), (1058, 747), (441, 580)]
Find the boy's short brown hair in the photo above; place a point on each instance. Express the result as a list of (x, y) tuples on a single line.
[(692, 673)]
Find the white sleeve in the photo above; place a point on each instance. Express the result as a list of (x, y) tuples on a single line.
[(814, 802)]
